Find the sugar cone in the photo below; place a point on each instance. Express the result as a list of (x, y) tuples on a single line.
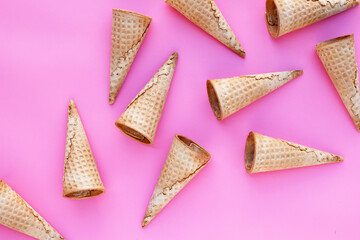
[(81, 176), (284, 16), (264, 154), (142, 115), (229, 95), (338, 58), (17, 214), (207, 16), (128, 32), (185, 159)]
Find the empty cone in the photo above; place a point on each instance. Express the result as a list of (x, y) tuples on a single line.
[(229, 95), (284, 16), (185, 159), (264, 154), (142, 115), (207, 16), (338, 58), (81, 176), (17, 214), (128, 32)]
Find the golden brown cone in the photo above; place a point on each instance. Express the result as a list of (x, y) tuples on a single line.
[(284, 16), (338, 58), (17, 214), (128, 32), (206, 15), (81, 176), (229, 95), (185, 159), (142, 115), (264, 154)]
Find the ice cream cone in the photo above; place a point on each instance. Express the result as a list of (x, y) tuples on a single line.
[(338, 58), (185, 159), (264, 154), (229, 95), (142, 115), (17, 214), (128, 32), (81, 176), (206, 15), (284, 16)]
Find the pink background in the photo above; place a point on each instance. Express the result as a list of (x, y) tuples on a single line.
[(51, 51)]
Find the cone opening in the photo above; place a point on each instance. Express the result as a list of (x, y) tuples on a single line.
[(272, 18), (134, 134), (250, 149), (333, 40), (193, 145), (135, 14), (84, 193), (214, 100)]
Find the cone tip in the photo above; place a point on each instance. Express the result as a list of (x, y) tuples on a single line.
[(72, 103), (145, 222), (174, 57), (297, 73)]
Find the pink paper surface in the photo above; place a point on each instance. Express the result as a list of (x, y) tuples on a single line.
[(51, 51)]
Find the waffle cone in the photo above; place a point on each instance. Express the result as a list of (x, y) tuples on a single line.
[(229, 95), (284, 16), (142, 115), (81, 176), (128, 32), (185, 159), (263, 154), (206, 15), (17, 214), (338, 58)]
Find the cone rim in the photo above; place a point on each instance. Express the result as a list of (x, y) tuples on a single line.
[(214, 100), (334, 41), (197, 148), (128, 130), (131, 13), (250, 152), (92, 192), (273, 30)]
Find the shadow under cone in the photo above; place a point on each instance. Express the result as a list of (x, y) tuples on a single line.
[(264, 154), (185, 159), (338, 58), (142, 115), (81, 176), (17, 214), (206, 15), (229, 95), (128, 32), (284, 16)]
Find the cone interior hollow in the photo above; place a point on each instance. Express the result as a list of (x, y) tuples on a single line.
[(334, 40), (84, 193), (272, 18), (138, 136), (214, 100), (250, 152), (193, 145)]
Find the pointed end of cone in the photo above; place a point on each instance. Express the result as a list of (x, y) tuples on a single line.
[(297, 73), (111, 100), (145, 221), (339, 159), (72, 105), (174, 57), (240, 52)]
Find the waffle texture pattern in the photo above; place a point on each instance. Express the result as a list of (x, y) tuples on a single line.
[(186, 158), (229, 95), (288, 15), (81, 176), (264, 154), (338, 58), (142, 115), (17, 214), (206, 15), (128, 32)]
